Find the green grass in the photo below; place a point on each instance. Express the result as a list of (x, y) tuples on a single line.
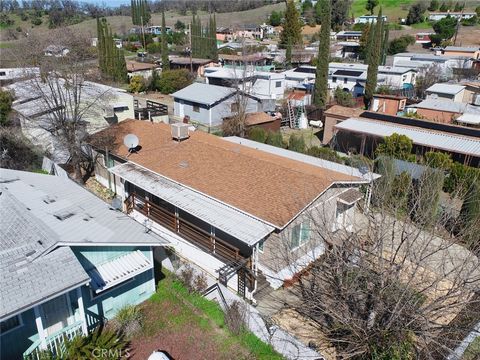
[(423, 25), (5, 45), (206, 314), (392, 8), (473, 350)]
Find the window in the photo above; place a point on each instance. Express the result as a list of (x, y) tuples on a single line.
[(11, 324), (196, 108), (345, 80), (260, 246), (278, 84), (300, 234), (3, 73), (334, 79)]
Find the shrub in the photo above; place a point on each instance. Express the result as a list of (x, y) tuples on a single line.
[(186, 277), (257, 134), (235, 316), (343, 98), (137, 84), (200, 283), (128, 320), (6, 100), (400, 44), (36, 21), (275, 138), (154, 48), (324, 153), (173, 80), (296, 143)]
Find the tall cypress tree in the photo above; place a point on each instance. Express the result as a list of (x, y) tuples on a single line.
[(288, 55), (321, 76), (384, 44), (373, 61), (165, 61), (292, 27), (111, 60)]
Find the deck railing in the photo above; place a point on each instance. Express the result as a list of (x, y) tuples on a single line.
[(55, 342), (212, 244)]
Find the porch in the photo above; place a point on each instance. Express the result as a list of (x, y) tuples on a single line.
[(57, 320)]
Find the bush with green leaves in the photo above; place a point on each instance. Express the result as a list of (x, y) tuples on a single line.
[(173, 80), (396, 146), (6, 100), (36, 21), (400, 44), (257, 134), (296, 142), (128, 320), (137, 84), (325, 153), (343, 98), (275, 138)]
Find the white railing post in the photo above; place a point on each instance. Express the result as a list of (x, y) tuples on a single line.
[(41, 332), (81, 310)]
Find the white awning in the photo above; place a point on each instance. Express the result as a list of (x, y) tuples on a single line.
[(118, 270)]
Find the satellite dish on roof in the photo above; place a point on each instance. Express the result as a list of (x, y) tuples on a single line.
[(131, 142)]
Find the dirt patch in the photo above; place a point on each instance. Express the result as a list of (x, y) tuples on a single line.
[(310, 30)]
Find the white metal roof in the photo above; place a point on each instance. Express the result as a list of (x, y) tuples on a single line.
[(446, 88), (203, 93), (118, 270), (232, 221), (434, 139), (324, 164), (469, 119)]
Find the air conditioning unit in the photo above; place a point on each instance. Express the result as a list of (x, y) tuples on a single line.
[(476, 99), (180, 131)]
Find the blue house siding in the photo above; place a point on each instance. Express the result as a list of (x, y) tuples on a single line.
[(106, 305), (15, 342)]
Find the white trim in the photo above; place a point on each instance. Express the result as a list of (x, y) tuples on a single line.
[(20, 324), (110, 243), (96, 296), (81, 310), (40, 329)]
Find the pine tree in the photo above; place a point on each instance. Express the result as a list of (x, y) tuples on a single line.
[(292, 27), (321, 77), (165, 61), (213, 40), (373, 61), (111, 60)]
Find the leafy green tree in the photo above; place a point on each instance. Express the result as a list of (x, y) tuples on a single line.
[(6, 100), (443, 7), (438, 160), (470, 213), (137, 84), (396, 146), (445, 28), (343, 98), (275, 18), (288, 55), (371, 5), (173, 80), (165, 60), (154, 78), (400, 44), (296, 142), (179, 26), (416, 14), (374, 58), (321, 76), (292, 27), (434, 4), (477, 10), (257, 134), (340, 9), (427, 197)]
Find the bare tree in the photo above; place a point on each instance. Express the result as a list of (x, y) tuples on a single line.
[(66, 107), (392, 283), (429, 75)]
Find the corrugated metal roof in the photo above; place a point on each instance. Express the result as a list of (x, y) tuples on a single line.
[(118, 270), (324, 164), (462, 48), (226, 218), (203, 93), (469, 119), (445, 88), (429, 138), (447, 105)]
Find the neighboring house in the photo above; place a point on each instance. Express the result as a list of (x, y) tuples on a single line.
[(446, 92), (142, 69), (436, 16), (249, 31), (421, 62), (349, 35), (228, 204), (397, 77), (368, 19), (197, 65), (262, 84), (69, 261), (347, 49), (388, 104), (8, 75), (259, 62), (364, 134), (473, 52), (423, 37), (157, 30), (35, 101), (268, 30), (56, 51), (335, 115), (209, 104), (444, 111)]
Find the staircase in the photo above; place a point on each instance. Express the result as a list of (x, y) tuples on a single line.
[(263, 287)]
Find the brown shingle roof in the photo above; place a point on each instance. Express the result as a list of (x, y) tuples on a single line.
[(257, 118), (269, 187), (344, 111)]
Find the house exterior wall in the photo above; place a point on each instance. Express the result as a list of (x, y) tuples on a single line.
[(328, 127), (13, 343), (474, 55), (387, 106), (279, 261), (104, 177), (437, 115), (458, 97), (399, 80), (269, 87)]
